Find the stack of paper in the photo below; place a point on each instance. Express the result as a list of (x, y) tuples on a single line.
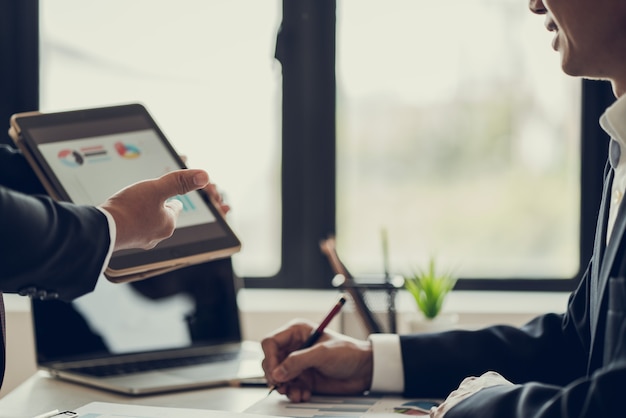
[(113, 410)]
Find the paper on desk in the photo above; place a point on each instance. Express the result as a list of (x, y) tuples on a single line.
[(336, 406), (114, 410)]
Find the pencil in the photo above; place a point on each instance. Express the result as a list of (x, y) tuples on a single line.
[(315, 335)]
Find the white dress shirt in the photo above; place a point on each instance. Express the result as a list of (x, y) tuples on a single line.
[(113, 235), (388, 374), (613, 121)]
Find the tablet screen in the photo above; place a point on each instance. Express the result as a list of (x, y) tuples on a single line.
[(126, 158), (89, 155)]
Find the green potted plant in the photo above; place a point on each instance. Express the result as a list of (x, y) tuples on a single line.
[(429, 288)]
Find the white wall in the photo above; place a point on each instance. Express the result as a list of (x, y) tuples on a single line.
[(264, 310)]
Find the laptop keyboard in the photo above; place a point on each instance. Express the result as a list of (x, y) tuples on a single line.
[(150, 365)]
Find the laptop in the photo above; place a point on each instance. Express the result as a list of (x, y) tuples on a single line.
[(176, 331)]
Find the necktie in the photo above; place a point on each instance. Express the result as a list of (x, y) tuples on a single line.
[(615, 153), (614, 157)]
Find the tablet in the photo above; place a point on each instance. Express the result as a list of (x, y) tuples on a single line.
[(85, 156)]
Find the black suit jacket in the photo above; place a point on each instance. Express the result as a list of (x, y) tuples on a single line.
[(563, 365), (47, 249)]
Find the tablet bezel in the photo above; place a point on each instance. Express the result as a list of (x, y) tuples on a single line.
[(124, 265)]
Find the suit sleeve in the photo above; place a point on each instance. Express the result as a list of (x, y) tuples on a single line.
[(547, 359), (48, 245)]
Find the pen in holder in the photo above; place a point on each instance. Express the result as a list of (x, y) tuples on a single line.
[(359, 291)]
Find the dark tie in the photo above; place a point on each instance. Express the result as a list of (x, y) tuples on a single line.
[(615, 153)]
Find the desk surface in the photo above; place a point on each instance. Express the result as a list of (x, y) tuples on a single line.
[(41, 393)]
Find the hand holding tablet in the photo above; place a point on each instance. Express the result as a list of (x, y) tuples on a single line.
[(86, 156)]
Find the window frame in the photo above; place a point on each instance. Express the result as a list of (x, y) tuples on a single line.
[(306, 50)]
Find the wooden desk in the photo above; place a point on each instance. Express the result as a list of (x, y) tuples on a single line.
[(41, 393)]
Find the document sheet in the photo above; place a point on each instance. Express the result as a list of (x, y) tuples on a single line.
[(114, 410), (338, 406)]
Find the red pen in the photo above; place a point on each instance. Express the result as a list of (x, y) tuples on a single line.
[(315, 335)]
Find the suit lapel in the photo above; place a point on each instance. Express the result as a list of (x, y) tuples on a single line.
[(611, 252)]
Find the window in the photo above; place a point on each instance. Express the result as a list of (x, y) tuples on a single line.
[(458, 133), (205, 70)]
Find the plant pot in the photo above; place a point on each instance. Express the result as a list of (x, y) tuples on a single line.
[(442, 322)]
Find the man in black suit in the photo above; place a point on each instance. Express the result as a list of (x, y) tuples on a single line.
[(57, 250), (568, 365)]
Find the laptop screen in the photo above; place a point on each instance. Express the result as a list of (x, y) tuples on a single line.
[(186, 309)]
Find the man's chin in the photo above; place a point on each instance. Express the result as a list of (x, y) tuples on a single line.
[(580, 73), (569, 67)]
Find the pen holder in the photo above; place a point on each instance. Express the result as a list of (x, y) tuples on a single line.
[(369, 297)]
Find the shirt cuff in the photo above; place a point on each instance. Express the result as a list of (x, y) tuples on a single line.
[(388, 374), (112, 235)]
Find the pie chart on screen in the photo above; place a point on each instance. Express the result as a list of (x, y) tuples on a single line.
[(70, 158), (126, 150)]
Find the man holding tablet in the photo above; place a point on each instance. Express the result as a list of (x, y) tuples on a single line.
[(57, 250)]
